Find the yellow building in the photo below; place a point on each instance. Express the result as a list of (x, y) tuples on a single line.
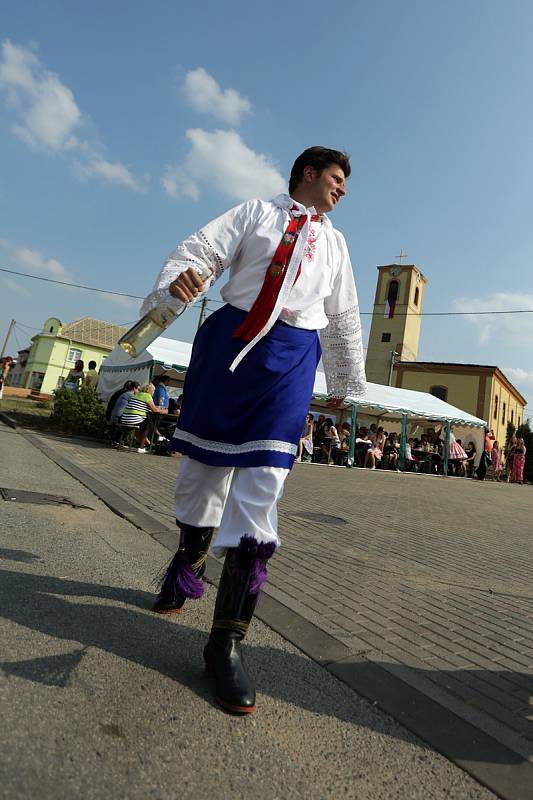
[(483, 391), (57, 347), (395, 329)]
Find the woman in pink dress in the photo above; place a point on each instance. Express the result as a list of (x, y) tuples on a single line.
[(497, 461), (457, 456), (375, 454), (519, 460)]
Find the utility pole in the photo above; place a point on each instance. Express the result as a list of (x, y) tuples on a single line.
[(393, 355), (4, 346), (203, 312)]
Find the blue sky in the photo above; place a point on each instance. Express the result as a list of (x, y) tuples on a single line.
[(124, 127)]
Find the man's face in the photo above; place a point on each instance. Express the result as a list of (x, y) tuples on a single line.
[(327, 188)]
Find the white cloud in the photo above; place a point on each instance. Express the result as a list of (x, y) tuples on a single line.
[(47, 111), (15, 286), (48, 116), (222, 160), (521, 378), (114, 173), (33, 259), (205, 95), (119, 300), (178, 183), (515, 329)]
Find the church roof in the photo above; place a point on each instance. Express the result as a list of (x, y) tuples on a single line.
[(93, 332), (446, 364), (450, 366)]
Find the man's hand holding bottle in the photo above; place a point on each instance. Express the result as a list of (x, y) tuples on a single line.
[(189, 285)]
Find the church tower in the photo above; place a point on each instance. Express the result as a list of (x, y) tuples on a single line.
[(396, 319)]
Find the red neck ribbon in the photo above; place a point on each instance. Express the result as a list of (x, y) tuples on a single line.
[(260, 312)]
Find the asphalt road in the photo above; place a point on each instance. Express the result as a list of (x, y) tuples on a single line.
[(100, 698)]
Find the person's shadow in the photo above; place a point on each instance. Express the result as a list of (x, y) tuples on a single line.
[(123, 627)]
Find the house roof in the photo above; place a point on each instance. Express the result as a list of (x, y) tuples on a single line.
[(93, 332)]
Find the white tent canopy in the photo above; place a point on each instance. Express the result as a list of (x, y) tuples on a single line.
[(394, 402), (168, 354), (172, 357)]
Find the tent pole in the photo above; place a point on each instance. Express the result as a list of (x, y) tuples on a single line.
[(351, 450), (446, 448), (403, 441)]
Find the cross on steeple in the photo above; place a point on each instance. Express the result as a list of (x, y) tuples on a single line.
[(402, 255)]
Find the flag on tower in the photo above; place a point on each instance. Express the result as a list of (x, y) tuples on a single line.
[(392, 296)]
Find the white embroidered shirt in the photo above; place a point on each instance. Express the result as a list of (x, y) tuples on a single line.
[(243, 242)]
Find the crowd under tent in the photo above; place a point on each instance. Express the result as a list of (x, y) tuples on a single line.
[(406, 411), (402, 409)]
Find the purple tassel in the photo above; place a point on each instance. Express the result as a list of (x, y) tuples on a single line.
[(180, 580), (250, 561)]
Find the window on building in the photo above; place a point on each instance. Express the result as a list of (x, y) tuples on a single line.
[(385, 337), (518, 422), (512, 417), (495, 413), (503, 413), (74, 355), (51, 329), (36, 381), (417, 295), (439, 391)]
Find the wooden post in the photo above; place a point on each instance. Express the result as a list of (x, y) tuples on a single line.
[(446, 448), (351, 449), (403, 442)]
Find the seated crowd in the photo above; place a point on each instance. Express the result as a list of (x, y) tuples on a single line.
[(325, 443), (137, 407)]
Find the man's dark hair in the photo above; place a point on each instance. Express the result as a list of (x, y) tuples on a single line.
[(319, 158), (165, 379), (92, 364)]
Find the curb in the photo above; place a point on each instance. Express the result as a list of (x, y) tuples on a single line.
[(491, 763), (7, 420)]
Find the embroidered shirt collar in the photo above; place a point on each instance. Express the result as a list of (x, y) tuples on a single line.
[(286, 202)]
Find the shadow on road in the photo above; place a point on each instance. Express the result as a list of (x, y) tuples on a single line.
[(18, 555), (122, 627)]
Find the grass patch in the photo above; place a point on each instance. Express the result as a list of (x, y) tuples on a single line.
[(15, 405)]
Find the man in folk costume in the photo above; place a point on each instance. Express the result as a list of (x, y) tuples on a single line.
[(248, 389)]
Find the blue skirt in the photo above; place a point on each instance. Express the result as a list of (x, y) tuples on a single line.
[(253, 417)]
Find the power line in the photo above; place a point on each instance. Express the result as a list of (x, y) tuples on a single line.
[(73, 285), (221, 302)]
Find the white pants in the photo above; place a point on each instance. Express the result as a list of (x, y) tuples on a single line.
[(239, 501)]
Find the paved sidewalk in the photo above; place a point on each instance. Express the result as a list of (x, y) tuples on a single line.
[(101, 698), (428, 579)]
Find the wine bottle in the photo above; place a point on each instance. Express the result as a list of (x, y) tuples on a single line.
[(156, 321)]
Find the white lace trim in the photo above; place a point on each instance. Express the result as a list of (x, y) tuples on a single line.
[(234, 449), (343, 357)]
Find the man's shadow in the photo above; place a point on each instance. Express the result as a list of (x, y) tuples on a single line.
[(123, 628)]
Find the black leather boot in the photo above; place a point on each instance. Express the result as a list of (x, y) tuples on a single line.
[(240, 584), (182, 578)]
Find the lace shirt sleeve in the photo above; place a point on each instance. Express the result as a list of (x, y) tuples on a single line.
[(342, 344), (211, 249)]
